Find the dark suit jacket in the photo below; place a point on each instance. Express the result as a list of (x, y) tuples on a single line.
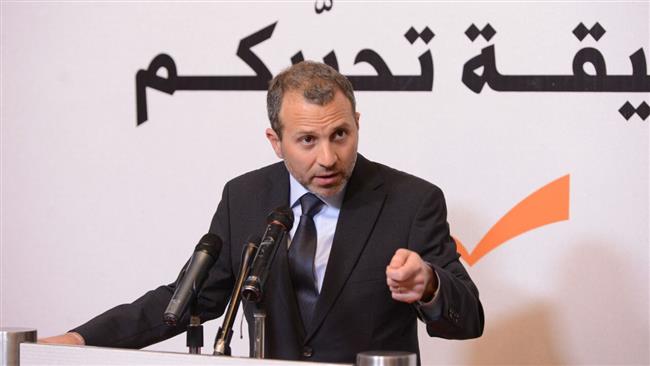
[(383, 210)]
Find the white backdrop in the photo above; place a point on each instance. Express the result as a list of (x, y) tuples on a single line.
[(96, 210)]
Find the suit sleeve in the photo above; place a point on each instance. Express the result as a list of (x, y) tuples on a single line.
[(460, 310), (140, 323)]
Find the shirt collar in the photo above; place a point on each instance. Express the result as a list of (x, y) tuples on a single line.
[(297, 190)]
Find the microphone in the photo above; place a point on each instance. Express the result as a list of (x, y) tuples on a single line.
[(193, 275), (224, 335), (279, 222)]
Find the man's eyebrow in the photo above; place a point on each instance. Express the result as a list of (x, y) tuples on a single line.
[(312, 131), (305, 132)]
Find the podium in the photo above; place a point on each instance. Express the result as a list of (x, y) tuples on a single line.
[(34, 354)]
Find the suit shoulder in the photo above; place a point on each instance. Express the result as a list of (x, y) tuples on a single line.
[(405, 182), (258, 176)]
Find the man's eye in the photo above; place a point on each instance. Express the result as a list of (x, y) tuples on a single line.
[(307, 139), (340, 134)]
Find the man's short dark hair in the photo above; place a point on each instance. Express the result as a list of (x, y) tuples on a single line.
[(318, 83)]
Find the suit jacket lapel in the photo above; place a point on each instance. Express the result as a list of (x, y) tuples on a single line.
[(277, 192), (361, 206)]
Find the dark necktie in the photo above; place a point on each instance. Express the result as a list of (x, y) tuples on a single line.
[(301, 257)]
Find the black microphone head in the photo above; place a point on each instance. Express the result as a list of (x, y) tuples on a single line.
[(281, 215), (211, 244)]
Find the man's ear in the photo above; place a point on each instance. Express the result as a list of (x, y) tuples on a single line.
[(275, 141), (357, 116)]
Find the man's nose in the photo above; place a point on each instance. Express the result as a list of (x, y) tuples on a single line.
[(327, 155)]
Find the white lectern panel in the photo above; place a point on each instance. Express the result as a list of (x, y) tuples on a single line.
[(32, 354)]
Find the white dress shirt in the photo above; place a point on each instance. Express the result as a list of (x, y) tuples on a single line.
[(325, 221)]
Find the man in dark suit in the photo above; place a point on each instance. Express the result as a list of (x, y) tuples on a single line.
[(381, 257)]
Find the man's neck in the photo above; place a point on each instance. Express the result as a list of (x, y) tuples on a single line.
[(297, 190)]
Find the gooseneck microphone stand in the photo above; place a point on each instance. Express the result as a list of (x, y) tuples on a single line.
[(224, 335)]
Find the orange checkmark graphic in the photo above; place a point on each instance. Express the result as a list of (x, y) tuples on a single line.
[(545, 206)]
